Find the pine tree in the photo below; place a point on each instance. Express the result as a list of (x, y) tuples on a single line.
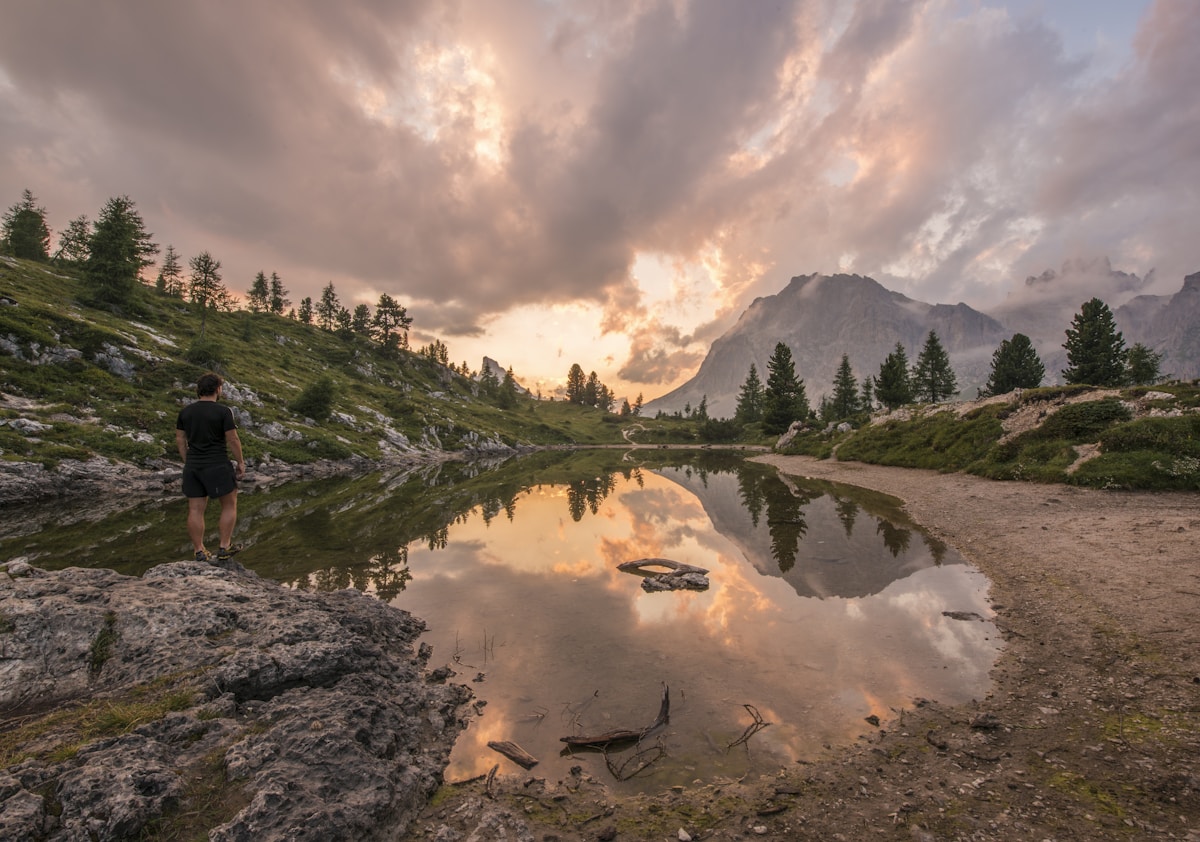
[(784, 400), (305, 313), (259, 297), (1095, 348), (390, 323), (360, 322), (204, 286), (170, 274), (24, 232), (278, 302), (576, 382), (343, 324), (118, 250), (844, 402), (73, 242), (868, 394), (1015, 365), (507, 398), (327, 308), (1143, 367), (701, 413), (932, 377), (750, 398), (591, 390), (893, 387), (637, 405)]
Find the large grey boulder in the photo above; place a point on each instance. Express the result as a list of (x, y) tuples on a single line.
[(315, 705)]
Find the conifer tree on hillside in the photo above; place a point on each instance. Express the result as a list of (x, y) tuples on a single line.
[(784, 400), (118, 250), (305, 313), (845, 401), (750, 398), (278, 301), (893, 387), (24, 232), (360, 321), (1143, 367), (637, 405), (932, 377), (1095, 348), (259, 297), (868, 394), (205, 287), (170, 274), (1015, 365), (576, 382), (328, 307), (390, 323), (73, 242)]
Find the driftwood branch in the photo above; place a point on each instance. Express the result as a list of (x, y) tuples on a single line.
[(514, 753), (622, 735), (753, 728)]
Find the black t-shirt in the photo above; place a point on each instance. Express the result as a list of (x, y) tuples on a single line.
[(204, 424)]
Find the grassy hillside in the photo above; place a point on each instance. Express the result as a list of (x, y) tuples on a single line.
[(79, 381), (1138, 438)]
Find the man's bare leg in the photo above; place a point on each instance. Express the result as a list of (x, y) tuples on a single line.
[(195, 522), (228, 517)]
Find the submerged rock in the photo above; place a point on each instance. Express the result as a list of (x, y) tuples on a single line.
[(290, 714)]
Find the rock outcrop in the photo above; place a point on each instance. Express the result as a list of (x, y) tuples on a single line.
[(201, 694)]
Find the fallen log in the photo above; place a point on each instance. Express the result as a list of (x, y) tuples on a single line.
[(514, 753), (677, 576), (622, 735)]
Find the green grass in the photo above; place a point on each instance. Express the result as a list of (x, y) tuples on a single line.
[(273, 358), (1153, 453)]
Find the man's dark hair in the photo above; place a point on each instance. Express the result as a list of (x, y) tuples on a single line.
[(208, 384)]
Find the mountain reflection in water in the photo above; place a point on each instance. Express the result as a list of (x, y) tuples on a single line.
[(824, 607)]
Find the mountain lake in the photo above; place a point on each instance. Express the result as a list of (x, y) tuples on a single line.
[(826, 607)]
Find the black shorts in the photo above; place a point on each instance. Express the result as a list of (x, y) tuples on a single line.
[(210, 481)]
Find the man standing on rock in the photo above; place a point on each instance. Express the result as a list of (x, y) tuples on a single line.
[(206, 435)]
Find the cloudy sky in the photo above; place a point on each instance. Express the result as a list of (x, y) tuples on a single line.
[(611, 182)]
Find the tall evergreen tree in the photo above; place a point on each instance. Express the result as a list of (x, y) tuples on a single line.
[(1015, 365), (118, 250), (1095, 348), (327, 307), (278, 301), (932, 377), (637, 405), (73, 242), (750, 398), (893, 388), (576, 383), (305, 313), (390, 323), (1143, 367), (784, 400), (844, 402), (507, 399), (170, 274), (204, 285), (259, 297), (360, 322), (24, 232), (868, 394), (591, 390)]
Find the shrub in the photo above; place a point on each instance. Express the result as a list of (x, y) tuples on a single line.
[(316, 401)]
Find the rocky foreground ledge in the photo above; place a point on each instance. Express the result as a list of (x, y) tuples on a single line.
[(199, 698)]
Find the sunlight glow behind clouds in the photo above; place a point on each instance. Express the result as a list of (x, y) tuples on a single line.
[(631, 174)]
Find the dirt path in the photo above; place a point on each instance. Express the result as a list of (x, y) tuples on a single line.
[(1092, 730)]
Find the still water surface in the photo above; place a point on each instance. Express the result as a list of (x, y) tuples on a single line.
[(825, 604)]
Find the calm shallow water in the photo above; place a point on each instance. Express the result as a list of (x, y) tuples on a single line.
[(824, 607)]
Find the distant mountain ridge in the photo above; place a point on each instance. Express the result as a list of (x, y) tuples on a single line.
[(821, 317)]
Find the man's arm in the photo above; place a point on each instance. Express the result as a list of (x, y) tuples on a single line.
[(235, 449), (181, 444)]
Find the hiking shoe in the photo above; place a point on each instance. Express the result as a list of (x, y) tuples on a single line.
[(226, 553), (201, 555)]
